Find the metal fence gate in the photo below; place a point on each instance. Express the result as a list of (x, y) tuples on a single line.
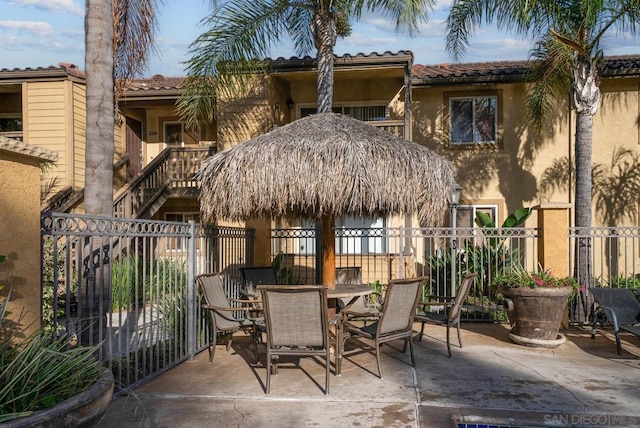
[(129, 286)]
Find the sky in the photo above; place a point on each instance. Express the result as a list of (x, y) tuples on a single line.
[(41, 33)]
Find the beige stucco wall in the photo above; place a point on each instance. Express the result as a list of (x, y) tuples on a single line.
[(510, 174), (20, 237)]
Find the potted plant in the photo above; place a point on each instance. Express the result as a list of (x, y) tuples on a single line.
[(535, 302), (46, 382)]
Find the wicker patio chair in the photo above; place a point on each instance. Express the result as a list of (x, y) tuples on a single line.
[(620, 307), (296, 324), (365, 308), (396, 321), (451, 311), (223, 320)]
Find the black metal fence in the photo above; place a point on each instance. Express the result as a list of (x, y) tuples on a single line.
[(443, 254), (129, 285)]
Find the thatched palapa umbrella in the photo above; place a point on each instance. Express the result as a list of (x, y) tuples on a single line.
[(322, 166)]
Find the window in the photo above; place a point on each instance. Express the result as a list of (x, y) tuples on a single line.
[(177, 243), (474, 120), (364, 235), (466, 216), (177, 134), (10, 124)]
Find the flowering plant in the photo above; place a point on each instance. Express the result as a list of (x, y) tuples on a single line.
[(540, 278)]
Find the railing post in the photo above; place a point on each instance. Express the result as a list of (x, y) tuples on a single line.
[(553, 245), (191, 294)]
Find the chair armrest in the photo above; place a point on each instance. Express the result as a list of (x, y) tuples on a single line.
[(245, 301), (432, 297), (434, 303), (220, 309)]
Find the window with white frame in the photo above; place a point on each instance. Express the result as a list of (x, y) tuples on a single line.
[(354, 235), (466, 216), (473, 119)]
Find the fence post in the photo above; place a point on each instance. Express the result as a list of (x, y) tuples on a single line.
[(553, 244), (191, 294)]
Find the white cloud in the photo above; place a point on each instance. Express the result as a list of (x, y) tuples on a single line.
[(34, 27), (68, 6)]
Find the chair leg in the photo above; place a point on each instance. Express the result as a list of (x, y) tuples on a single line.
[(421, 333), (618, 344), (449, 341), (459, 337), (229, 341), (328, 372), (268, 372), (378, 360), (212, 346), (413, 360), (404, 347)]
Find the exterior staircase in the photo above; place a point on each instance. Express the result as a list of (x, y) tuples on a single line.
[(171, 174)]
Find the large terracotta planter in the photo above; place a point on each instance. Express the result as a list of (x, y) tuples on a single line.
[(535, 314), (82, 410)]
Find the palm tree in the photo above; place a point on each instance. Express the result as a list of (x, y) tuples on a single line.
[(569, 52), (125, 28), (242, 32)]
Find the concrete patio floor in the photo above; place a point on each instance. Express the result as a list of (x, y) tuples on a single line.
[(489, 382)]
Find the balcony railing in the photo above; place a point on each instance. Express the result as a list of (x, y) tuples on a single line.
[(396, 127), (173, 168)]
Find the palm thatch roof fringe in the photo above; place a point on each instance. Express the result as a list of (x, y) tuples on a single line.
[(325, 164)]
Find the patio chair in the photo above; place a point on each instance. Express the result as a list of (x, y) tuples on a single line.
[(451, 310), (365, 308), (620, 307), (223, 320), (297, 325), (396, 321), (254, 276)]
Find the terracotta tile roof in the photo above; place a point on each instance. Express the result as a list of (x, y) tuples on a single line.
[(61, 68), (156, 82), (16, 146), (504, 71)]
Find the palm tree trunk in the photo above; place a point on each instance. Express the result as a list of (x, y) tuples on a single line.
[(325, 35), (99, 153), (584, 137), (98, 190)]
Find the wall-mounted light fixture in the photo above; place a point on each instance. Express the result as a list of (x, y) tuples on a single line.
[(290, 103)]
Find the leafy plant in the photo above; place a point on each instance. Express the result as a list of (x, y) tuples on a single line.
[(284, 274), (41, 371), (540, 278), (56, 308)]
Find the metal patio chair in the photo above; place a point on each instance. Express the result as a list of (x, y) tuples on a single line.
[(451, 311), (296, 324), (396, 321), (365, 308), (254, 276), (223, 320), (620, 307)]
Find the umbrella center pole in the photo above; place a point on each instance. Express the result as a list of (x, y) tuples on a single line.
[(328, 251)]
